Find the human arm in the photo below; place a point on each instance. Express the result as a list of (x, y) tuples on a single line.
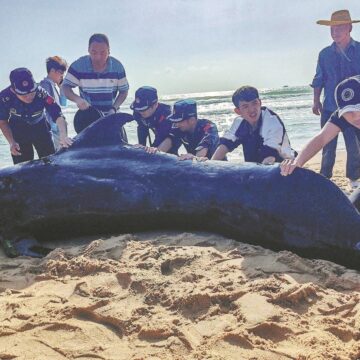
[(120, 99), (81, 103), (142, 133), (229, 141), (166, 145), (65, 141), (318, 84), (201, 155), (317, 105), (220, 152), (54, 111), (72, 80), (14, 146), (328, 132), (122, 86), (209, 141)]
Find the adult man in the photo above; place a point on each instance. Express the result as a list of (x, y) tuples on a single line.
[(150, 114), (55, 67), (101, 78), (337, 62), (347, 116), (23, 121), (199, 136), (258, 129)]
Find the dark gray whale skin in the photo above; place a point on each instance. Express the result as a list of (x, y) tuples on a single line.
[(101, 185)]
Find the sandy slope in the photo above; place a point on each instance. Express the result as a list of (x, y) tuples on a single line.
[(177, 296)]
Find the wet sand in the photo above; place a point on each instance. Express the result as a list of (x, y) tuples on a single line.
[(172, 295)]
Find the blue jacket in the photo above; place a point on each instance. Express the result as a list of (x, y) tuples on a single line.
[(158, 123), (13, 109), (205, 135), (269, 138)]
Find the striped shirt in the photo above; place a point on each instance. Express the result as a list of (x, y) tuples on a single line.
[(98, 89)]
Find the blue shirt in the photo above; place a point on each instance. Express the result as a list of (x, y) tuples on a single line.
[(333, 67), (205, 135), (98, 89)]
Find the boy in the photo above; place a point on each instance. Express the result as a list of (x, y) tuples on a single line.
[(199, 136), (258, 129), (55, 67), (347, 95), (150, 114)]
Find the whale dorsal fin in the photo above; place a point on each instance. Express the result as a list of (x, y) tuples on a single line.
[(108, 130)]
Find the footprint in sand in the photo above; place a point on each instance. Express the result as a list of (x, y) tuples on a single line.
[(138, 287), (82, 289), (169, 265), (271, 331), (344, 335), (154, 334), (124, 279), (296, 294), (238, 340)]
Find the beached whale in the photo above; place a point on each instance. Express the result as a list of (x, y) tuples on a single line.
[(101, 185)]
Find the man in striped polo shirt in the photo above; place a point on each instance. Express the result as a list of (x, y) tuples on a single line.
[(101, 78)]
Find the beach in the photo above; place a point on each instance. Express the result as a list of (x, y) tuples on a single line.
[(173, 295)]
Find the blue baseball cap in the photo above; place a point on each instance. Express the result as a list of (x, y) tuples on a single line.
[(144, 98), (182, 110), (22, 81), (347, 95)]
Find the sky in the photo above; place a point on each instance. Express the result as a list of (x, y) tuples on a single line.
[(177, 46)]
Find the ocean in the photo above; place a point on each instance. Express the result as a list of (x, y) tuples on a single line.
[(292, 104)]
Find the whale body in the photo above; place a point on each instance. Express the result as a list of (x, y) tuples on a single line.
[(102, 185)]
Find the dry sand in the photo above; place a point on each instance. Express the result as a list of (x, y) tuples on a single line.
[(177, 296)]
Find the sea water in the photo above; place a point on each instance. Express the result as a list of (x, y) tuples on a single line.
[(292, 104)]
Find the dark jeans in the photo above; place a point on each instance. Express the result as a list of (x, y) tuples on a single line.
[(352, 149), (27, 136)]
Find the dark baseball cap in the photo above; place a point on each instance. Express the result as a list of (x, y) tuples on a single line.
[(22, 81), (183, 109), (347, 95), (144, 98)]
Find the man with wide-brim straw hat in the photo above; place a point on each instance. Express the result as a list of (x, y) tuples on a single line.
[(337, 62), (340, 17)]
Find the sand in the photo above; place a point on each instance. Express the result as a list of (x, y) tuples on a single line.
[(172, 295)]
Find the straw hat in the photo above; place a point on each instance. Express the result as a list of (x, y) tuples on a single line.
[(338, 18)]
